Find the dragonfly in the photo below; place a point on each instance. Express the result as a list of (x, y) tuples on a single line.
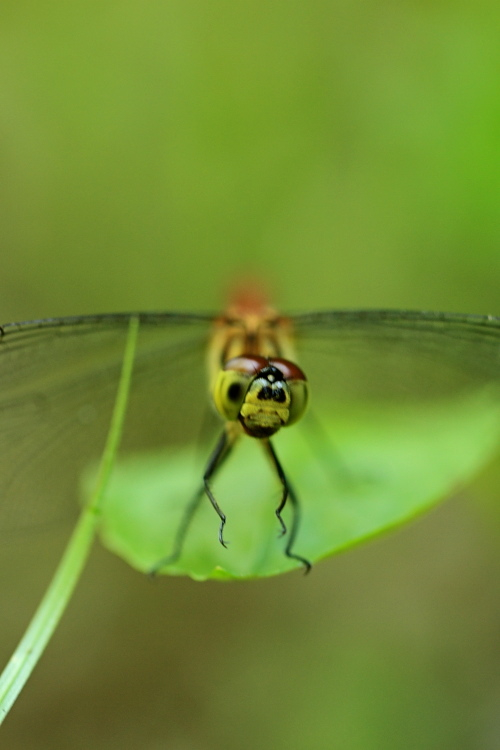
[(254, 371)]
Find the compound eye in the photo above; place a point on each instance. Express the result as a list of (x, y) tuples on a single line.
[(299, 393), (229, 392)]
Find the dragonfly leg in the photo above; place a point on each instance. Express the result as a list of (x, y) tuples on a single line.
[(288, 493), (181, 533), (293, 532), (217, 458), (219, 455), (284, 483)]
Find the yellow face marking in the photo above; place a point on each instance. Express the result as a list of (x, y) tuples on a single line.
[(261, 394)]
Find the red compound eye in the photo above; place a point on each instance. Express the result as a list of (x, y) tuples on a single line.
[(290, 370), (250, 365), (253, 364)]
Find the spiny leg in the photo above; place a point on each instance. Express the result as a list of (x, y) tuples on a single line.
[(288, 493), (180, 536), (221, 452), (294, 530), (286, 489), (216, 460)]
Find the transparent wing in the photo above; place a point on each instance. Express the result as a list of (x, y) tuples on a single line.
[(361, 355), (58, 384), (404, 408), (58, 381)]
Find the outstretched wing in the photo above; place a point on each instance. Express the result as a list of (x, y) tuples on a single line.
[(391, 355), (58, 382)]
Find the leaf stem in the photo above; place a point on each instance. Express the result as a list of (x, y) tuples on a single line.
[(59, 591)]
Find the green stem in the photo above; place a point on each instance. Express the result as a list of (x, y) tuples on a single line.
[(58, 594)]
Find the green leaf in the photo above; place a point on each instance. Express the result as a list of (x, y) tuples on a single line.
[(367, 470)]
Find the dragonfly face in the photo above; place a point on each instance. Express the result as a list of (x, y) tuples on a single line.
[(263, 394)]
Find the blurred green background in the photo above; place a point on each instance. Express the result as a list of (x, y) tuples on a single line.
[(348, 153)]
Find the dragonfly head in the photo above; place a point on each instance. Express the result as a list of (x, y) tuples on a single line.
[(262, 394)]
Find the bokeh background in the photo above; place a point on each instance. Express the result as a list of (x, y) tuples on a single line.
[(348, 153)]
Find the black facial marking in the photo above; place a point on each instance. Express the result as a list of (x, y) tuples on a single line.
[(274, 392), (279, 393), (265, 393)]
